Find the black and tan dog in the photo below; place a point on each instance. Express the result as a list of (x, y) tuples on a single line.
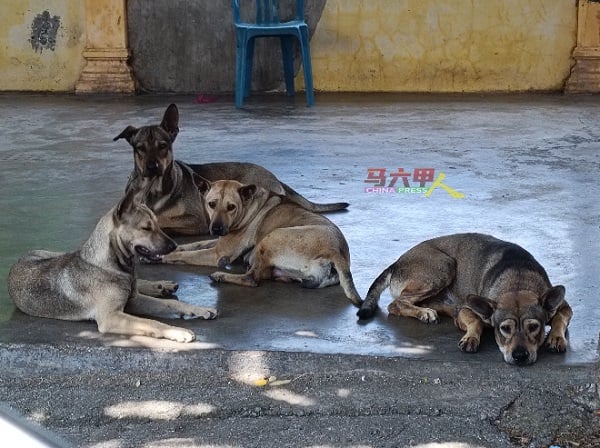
[(98, 281), (173, 194), (489, 281), (280, 240)]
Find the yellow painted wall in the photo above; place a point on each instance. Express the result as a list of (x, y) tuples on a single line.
[(23, 68), (444, 45), (358, 45)]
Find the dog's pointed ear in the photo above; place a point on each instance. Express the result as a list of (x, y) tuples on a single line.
[(481, 306), (553, 298), (126, 203), (201, 183), (276, 187), (247, 192), (127, 134), (170, 121)]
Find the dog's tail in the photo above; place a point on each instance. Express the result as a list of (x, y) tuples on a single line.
[(347, 282), (297, 198), (381, 283)]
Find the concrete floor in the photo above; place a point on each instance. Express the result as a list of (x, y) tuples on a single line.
[(528, 166)]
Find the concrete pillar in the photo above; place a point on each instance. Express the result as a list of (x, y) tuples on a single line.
[(585, 75), (106, 51)]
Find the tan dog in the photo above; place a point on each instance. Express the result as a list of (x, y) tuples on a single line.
[(287, 242), (491, 281), (168, 185), (98, 281)]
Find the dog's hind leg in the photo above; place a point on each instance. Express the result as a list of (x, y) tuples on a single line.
[(412, 299), (319, 274), (326, 273), (418, 278), (405, 305), (235, 279), (160, 288)]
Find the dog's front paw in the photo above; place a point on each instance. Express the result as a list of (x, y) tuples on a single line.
[(428, 316), (556, 343), (164, 289), (469, 344), (211, 313), (179, 334), (201, 313), (217, 276), (167, 288)]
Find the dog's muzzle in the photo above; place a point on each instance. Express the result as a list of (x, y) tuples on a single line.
[(219, 229), (153, 255), (152, 169), (521, 356)]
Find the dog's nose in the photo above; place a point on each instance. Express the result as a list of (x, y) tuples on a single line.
[(218, 229), (153, 167), (171, 246), (520, 355)]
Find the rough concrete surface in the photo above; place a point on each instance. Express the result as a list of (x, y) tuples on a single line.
[(128, 398), (528, 166)]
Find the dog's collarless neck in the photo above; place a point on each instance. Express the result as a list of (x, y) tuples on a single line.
[(260, 209)]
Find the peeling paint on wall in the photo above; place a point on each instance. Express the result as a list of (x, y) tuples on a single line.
[(44, 54), (43, 32)]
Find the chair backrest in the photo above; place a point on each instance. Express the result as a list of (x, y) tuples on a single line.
[(267, 11)]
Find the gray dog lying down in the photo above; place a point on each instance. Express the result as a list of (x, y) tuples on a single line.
[(489, 281), (98, 281)]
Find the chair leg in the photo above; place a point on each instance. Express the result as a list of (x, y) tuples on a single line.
[(288, 64), (249, 66), (307, 66), (240, 70)]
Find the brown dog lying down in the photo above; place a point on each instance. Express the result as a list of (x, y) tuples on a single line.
[(492, 282), (169, 186), (286, 241), (98, 281)]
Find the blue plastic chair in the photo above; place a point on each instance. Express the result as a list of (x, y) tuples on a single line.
[(268, 25)]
